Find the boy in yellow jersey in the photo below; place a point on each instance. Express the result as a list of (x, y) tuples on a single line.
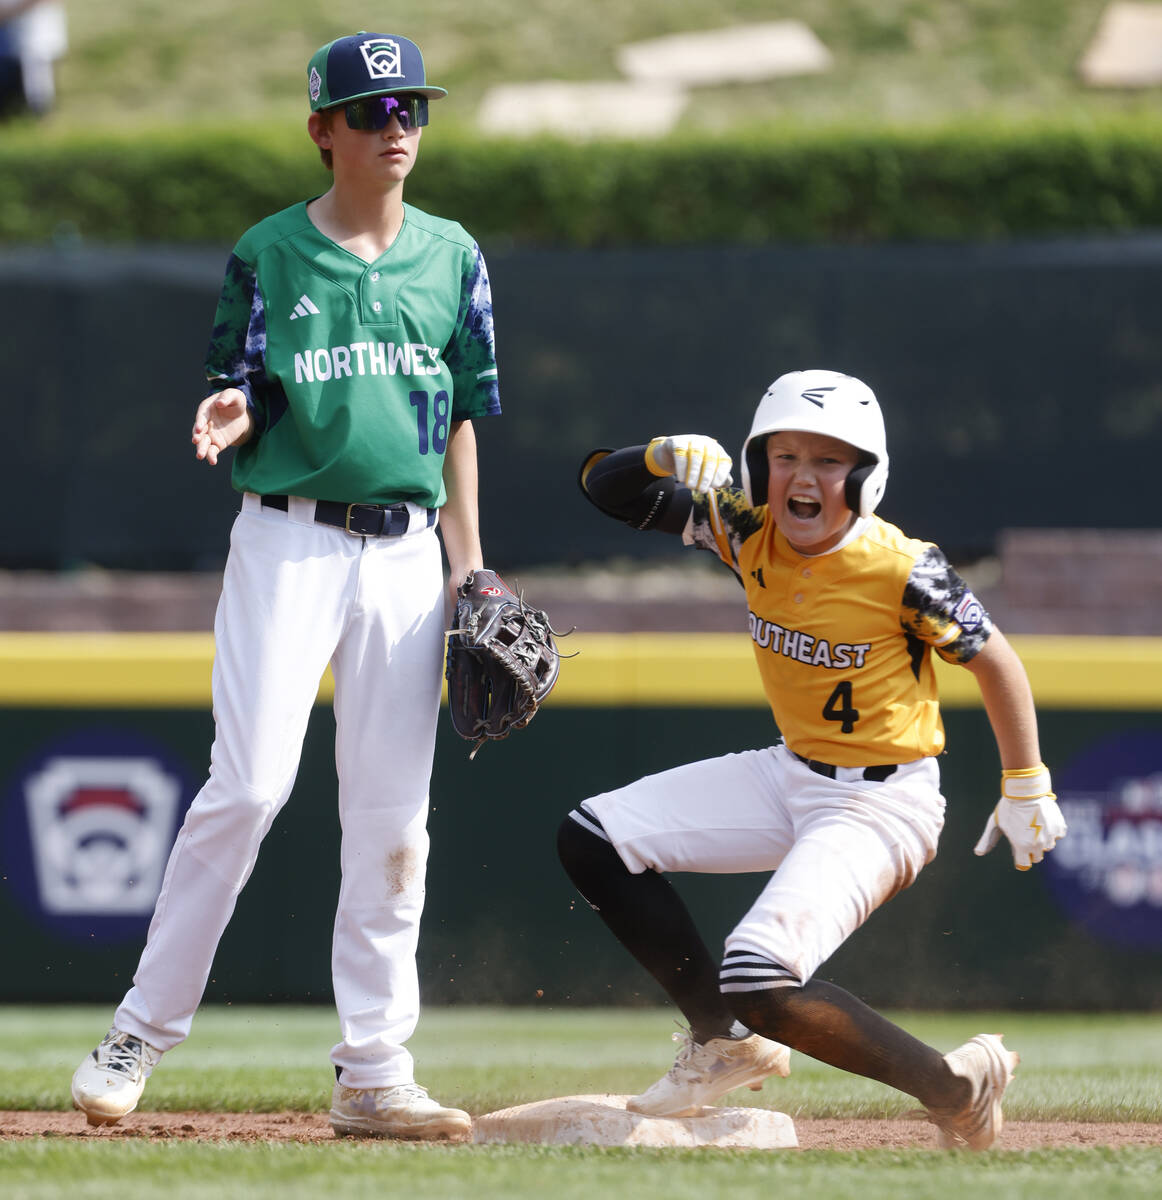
[(844, 612)]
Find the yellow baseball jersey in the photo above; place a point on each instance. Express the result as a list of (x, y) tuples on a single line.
[(843, 640)]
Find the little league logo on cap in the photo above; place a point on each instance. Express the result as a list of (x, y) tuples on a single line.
[(383, 58), (366, 64)]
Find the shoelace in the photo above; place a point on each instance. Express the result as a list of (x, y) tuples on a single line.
[(414, 1090), (123, 1055), (690, 1047), (682, 1062)]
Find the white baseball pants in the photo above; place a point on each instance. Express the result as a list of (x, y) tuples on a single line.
[(839, 848), (295, 597)]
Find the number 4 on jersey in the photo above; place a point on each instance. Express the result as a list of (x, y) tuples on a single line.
[(839, 707)]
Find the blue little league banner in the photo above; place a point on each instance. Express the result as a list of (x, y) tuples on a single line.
[(88, 825), (1106, 874)]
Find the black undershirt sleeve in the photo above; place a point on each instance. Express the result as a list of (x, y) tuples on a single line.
[(620, 484)]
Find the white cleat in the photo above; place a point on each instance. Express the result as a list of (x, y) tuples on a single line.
[(109, 1083), (404, 1111), (704, 1072), (989, 1068)]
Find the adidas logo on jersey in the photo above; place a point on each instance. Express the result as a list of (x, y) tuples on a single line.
[(304, 308)]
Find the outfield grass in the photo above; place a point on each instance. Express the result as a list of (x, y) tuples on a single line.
[(80, 1170), (141, 61), (1088, 1068)]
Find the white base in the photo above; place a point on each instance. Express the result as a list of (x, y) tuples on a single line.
[(603, 1121)]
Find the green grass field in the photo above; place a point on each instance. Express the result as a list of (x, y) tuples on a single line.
[(1079, 1068), (135, 62)]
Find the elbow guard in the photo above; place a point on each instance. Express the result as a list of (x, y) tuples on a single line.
[(620, 485)]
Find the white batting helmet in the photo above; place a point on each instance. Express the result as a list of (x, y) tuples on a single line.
[(830, 403)]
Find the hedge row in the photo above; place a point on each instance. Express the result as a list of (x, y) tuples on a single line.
[(968, 182)]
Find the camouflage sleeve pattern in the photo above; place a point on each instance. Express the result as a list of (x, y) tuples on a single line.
[(237, 353), (720, 522), (471, 353), (939, 608)]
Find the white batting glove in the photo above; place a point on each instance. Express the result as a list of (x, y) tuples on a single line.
[(1027, 815), (695, 461)]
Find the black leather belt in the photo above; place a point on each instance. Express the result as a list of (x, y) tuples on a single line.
[(363, 520), (871, 774)]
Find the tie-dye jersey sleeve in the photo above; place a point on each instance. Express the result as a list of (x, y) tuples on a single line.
[(471, 353), (237, 353), (940, 609), (720, 521)]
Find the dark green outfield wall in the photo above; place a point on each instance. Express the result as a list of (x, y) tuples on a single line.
[(997, 366), (502, 923)]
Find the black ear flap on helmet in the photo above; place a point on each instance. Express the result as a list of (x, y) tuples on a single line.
[(856, 478), (864, 487)]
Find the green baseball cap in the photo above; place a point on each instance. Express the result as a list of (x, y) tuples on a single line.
[(366, 64)]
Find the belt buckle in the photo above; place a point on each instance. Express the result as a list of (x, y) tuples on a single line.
[(384, 513), (359, 533)]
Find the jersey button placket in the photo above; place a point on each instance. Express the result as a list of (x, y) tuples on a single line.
[(373, 301), (800, 596)]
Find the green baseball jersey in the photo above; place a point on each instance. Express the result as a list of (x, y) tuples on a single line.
[(354, 371)]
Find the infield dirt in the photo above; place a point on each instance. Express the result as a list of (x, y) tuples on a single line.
[(313, 1127)]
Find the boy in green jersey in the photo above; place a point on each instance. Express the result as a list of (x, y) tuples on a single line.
[(351, 351)]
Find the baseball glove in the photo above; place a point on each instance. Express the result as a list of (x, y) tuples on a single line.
[(502, 660)]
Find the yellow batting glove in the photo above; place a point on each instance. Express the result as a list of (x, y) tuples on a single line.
[(1027, 814), (695, 461)]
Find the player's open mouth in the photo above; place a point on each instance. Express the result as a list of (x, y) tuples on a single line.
[(803, 507)]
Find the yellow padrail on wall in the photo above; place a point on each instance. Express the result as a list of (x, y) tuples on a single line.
[(138, 670)]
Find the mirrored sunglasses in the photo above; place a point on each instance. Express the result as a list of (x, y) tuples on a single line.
[(374, 112)]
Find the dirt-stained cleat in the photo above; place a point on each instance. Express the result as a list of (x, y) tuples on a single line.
[(989, 1068), (703, 1072), (109, 1083), (405, 1111)]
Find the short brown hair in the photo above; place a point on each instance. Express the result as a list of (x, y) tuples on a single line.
[(326, 115)]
